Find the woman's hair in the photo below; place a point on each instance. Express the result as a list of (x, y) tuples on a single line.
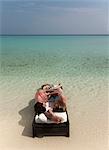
[(44, 85)]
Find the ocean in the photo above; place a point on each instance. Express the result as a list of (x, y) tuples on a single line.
[(58, 56)]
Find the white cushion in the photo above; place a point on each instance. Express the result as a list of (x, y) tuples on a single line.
[(43, 119)]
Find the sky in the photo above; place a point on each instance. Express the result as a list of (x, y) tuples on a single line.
[(54, 17)]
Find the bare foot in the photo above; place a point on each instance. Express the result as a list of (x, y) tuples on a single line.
[(56, 119)]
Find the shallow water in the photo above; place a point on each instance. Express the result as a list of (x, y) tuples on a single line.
[(49, 56)]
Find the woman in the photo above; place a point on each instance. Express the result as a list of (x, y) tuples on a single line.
[(57, 97)]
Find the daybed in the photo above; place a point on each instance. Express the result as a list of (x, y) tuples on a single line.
[(50, 128)]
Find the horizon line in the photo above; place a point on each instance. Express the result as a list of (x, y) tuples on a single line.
[(54, 34)]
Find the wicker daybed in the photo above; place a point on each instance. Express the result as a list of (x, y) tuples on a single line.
[(41, 129)]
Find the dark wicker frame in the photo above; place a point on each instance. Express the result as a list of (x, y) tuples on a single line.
[(52, 129)]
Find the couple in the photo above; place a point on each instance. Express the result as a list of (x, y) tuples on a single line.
[(49, 98)]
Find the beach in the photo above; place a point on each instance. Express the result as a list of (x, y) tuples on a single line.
[(83, 72)]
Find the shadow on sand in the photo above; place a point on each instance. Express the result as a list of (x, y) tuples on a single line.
[(27, 115)]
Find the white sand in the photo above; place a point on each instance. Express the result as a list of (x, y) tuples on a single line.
[(87, 107)]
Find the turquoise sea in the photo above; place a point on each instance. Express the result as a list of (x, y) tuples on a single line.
[(58, 56)]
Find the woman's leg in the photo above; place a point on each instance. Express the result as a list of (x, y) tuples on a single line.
[(50, 115)]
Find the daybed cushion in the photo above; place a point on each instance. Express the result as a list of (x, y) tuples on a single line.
[(43, 119)]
